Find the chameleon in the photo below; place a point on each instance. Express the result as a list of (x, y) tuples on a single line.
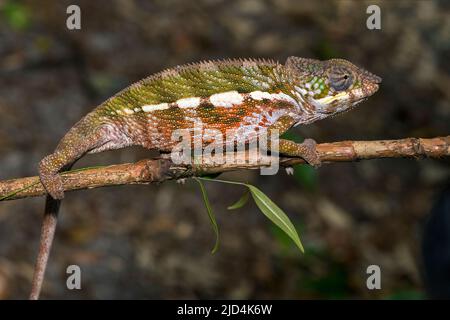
[(247, 97), (242, 97)]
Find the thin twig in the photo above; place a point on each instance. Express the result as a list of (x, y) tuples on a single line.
[(160, 170)]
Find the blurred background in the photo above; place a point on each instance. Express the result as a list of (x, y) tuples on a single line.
[(150, 242)]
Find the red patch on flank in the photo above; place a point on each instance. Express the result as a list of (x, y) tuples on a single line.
[(223, 119)]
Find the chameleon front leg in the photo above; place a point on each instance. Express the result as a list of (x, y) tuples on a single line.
[(73, 146), (306, 150)]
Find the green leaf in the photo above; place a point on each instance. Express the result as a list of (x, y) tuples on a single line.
[(241, 202), (211, 215), (275, 214), (269, 209)]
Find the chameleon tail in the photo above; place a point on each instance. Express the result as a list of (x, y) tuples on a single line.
[(47, 234), (48, 229), (77, 142)]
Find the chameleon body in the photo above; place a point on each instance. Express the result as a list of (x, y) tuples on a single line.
[(244, 97)]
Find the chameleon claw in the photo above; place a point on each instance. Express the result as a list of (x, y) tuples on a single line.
[(310, 153), (306, 150), (54, 186), (52, 182)]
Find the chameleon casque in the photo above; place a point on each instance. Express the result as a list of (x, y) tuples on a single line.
[(246, 97)]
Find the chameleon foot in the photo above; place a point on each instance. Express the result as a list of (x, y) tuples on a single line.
[(54, 186), (52, 182), (306, 150), (309, 153)]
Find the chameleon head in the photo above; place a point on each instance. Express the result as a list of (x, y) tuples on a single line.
[(332, 86)]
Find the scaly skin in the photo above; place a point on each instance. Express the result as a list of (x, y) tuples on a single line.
[(244, 97)]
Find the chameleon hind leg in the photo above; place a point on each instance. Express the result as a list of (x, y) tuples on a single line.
[(72, 147), (306, 150)]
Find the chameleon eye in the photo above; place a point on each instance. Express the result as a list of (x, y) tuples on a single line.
[(340, 79)]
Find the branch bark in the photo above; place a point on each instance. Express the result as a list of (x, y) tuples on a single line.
[(159, 170)]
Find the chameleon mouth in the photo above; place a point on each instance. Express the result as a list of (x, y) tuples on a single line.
[(371, 83), (369, 89), (330, 99)]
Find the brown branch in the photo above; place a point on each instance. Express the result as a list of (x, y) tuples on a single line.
[(160, 170)]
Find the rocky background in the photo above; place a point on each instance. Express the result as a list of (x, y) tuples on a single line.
[(150, 242)]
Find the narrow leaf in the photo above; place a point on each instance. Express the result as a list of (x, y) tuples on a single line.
[(241, 202), (211, 215), (81, 169), (275, 214)]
